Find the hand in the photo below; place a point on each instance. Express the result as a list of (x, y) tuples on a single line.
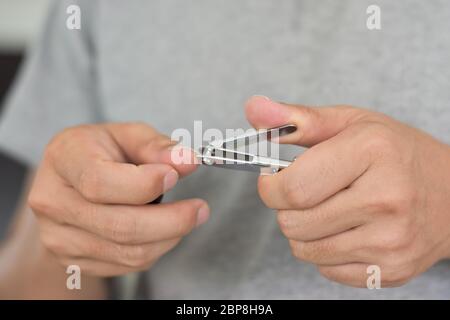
[(369, 191), (90, 196)]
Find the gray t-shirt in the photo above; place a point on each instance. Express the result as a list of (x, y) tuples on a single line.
[(170, 62)]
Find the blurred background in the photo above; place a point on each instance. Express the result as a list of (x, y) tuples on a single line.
[(20, 22)]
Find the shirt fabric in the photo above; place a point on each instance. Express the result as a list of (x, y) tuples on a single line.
[(171, 62)]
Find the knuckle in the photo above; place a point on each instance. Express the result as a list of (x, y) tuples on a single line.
[(399, 200), (354, 279), (38, 203), (330, 273), (186, 220), (382, 204), (122, 229), (93, 248), (296, 193), (53, 244), (326, 272), (353, 114), (397, 276), (51, 152), (153, 143), (89, 183), (345, 108), (138, 127), (390, 243), (43, 207), (313, 251), (378, 140), (303, 251), (145, 266), (263, 187), (139, 257), (65, 138), (286, 222), (296, 249), (403, 199), (53, 148), (64, 261), (135, 256), (393, 241)]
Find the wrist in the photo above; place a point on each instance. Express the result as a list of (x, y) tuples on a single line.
[(445, 177), (29, 271)]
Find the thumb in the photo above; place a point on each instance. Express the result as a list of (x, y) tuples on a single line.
[(314, 124), (142, 145)]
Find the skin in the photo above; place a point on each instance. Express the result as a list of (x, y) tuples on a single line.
[(90, 198), (29, 271), (369, 191), (105, 176)]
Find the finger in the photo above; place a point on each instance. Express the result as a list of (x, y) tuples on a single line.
[(318, 173), (362, 275), (143, 144), (135, 224), (99, 268), (64, 240), (352, 274), (344, 248), (123, 183), (314, 124), (343, 211), (109, 182), (370, 275), (87, 162), (120, 223)]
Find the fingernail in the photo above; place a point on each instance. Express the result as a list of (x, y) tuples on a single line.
[(180, 154), (170, 180), (175, 142), (272, 111), (261, 96), (202, 215)]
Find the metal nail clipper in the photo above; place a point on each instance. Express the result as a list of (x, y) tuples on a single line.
[(225, 154)]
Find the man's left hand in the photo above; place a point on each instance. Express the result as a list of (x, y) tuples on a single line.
[(369, 191)]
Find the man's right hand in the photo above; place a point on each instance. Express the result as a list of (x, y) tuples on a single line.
[(91, 196)]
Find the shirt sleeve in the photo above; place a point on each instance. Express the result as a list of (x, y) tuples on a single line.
[(56, 87)]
